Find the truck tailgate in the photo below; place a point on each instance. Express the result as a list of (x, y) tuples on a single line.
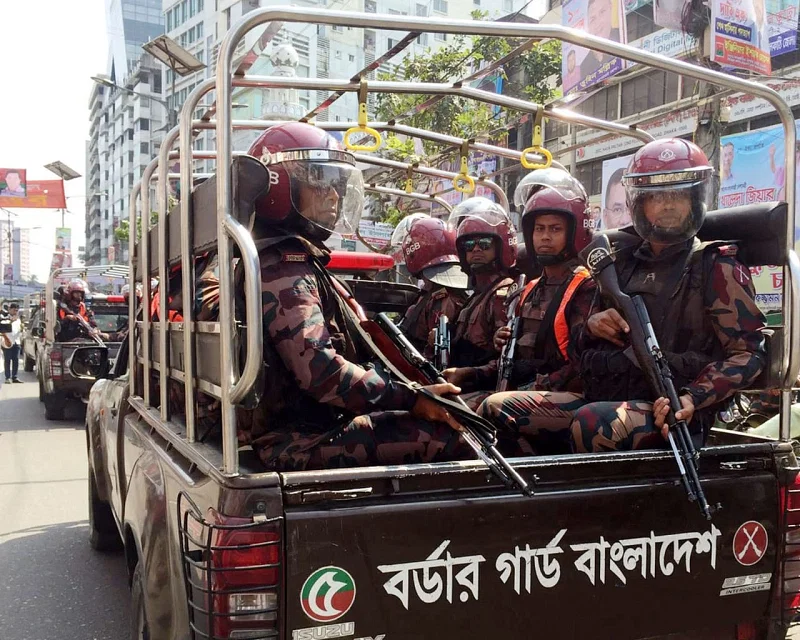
[(608, 547)]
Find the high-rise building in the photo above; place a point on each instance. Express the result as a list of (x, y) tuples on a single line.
[(21, 253), (130, 23), (6, 251)]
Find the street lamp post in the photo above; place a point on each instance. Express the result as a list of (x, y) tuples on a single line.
[(65, 173), (172, 114)]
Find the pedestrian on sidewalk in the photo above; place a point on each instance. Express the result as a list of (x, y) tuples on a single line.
[(11, 342)]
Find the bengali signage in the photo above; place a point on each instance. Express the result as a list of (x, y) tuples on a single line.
[(39, 194), (740, 35)]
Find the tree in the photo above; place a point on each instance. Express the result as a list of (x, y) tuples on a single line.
[(33, 281), (533, 75), (122, 232)]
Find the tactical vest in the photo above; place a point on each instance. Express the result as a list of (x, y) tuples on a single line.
[(71, 330), (673, 292), (283, 405), (468, 347), (544, 332)]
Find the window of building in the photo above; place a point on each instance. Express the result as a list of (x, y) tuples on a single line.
[(601, 105), (200, 6), (130, 156), (640, 23), (370, 6), (227, 19), (423, 39), (390, 43), (440, 37), (144, 147), (440, 6), (648, 91), (143, 124), (144, 101), (192, 7), (351, 57), (184, 11), (338, 55), (169, 20), (190, 35), (337, 28), (422, 10), (130, 134), (590, 175), (199, 28)]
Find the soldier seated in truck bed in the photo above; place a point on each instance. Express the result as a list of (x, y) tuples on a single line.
[(325, 404)]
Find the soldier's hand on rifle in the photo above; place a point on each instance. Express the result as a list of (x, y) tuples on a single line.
[(661, 409), (608, 325), (427, 409), (501, 337), (432, 338)]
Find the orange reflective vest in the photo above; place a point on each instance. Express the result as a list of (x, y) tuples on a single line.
[(81, 311), (172, 315), (561, 328)]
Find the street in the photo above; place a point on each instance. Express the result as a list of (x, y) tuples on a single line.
[(54, 585)]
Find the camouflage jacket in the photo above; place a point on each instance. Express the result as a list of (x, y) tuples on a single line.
[(317, 371), (550, 371), (708, 324), (472, 341), (424, 314)]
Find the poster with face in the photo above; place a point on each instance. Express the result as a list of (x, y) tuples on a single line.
[(740, 35), (13, 183), (615, 212), (583, 68)]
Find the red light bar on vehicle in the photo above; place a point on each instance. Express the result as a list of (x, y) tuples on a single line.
[(115, 299), (354, 261)]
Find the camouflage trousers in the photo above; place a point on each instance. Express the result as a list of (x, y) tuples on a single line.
[(614, 426), (540, 419), (384, 438)]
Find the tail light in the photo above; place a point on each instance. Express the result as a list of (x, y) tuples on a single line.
[(790, 574), (56, 364), (233, 574)]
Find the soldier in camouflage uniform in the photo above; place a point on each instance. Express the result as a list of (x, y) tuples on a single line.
[(429, 250), (325, 404), (486, 242), (700, 299), (551, 311)]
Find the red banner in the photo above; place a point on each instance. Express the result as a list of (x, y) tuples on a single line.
[(41, 194)]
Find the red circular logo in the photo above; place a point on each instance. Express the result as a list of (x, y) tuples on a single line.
[(750, 543)]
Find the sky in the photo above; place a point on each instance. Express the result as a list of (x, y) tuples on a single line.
[(49, 50)]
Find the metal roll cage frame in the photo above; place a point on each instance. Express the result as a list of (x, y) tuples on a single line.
[(234, 386)]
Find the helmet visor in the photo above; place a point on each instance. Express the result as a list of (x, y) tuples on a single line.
[(669, 215), (330, 195), (551, 177), (476, 206), (401, 230)]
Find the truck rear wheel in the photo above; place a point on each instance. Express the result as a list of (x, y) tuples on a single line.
[(54, 405), (29, 362), (140, 627), (103, 534)]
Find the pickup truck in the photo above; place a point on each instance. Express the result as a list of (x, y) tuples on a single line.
[(67, 370), (219, 547), (32, 337)]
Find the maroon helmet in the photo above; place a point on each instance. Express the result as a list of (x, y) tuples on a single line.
[(667, 185), (315, 187), (550, 177), (567, 202), (76, 285), (491, 222), (429, 250)]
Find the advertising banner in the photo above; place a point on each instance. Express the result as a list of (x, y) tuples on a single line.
[(615, 213), (740, 36), (13, 183), (63, 239), (752, 170), (782, 25), (669, 13), (8, 274), (40, 194), (583, 68)]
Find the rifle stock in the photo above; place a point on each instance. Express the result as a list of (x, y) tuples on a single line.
[(599, 259), (84, 325)]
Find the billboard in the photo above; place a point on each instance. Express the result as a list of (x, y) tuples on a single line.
[(740, 35), (582, 68), (63, 239), (782, 25), (669, 13), (13, 184), (40, 194), (8, 274), (752, 170), (614, 211)]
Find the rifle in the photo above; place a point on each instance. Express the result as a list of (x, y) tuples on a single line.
[(441, 343), (84, 325), (478, 433), (598, 258), (506, 367)]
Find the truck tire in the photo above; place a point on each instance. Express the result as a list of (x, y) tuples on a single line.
[(29, 362), (103, 533), (140, 626), (54, 405)]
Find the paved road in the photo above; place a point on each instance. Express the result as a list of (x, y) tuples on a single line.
[(52, 585)]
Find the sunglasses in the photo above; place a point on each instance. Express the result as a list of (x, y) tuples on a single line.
[(482, 243)]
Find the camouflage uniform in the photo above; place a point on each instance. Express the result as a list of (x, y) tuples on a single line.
[(72, 329), (548, 383), (709, 330), (321, 409), (472, 342), (424, 314)]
